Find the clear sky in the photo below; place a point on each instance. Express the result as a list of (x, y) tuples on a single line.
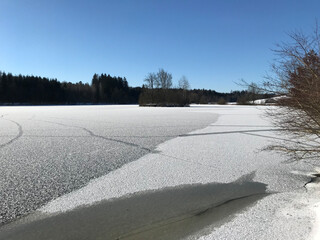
[(214, 43)]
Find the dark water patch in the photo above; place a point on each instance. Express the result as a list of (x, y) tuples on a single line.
[(170, 213)]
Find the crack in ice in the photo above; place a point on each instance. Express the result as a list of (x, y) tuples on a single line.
[(92, 134), (19, 135)]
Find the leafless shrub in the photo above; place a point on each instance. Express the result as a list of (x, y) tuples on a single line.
[(295, 79)]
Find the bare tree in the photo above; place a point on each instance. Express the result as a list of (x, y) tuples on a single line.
[(151, 80), (164, 79), (184, 83), (253, 92), (295, 79)]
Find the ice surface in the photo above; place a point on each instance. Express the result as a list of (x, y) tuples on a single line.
[(87, 142), (48, 151), (221, 152)]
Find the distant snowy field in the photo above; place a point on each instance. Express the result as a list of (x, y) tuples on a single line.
[(61, 158)]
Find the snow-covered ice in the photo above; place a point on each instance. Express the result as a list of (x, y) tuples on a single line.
[(221, 152)]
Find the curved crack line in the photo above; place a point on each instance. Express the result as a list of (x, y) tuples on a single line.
[(235, 125), (19, 135), (276, 138), (114, 140), (81, 136), (92, 134), (230, 132)]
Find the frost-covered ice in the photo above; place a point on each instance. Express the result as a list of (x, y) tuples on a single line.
[(48, 151), (222, 152)]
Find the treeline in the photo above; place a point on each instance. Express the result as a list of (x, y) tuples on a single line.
[(181, 97), (204, 96), (105, 89)]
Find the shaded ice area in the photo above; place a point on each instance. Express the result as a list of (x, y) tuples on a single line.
[(168, 213), (222, 152)]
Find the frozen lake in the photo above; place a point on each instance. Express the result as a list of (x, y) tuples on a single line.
[(155, 164)]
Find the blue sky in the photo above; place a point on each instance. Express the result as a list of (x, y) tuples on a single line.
[(214, 43)]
